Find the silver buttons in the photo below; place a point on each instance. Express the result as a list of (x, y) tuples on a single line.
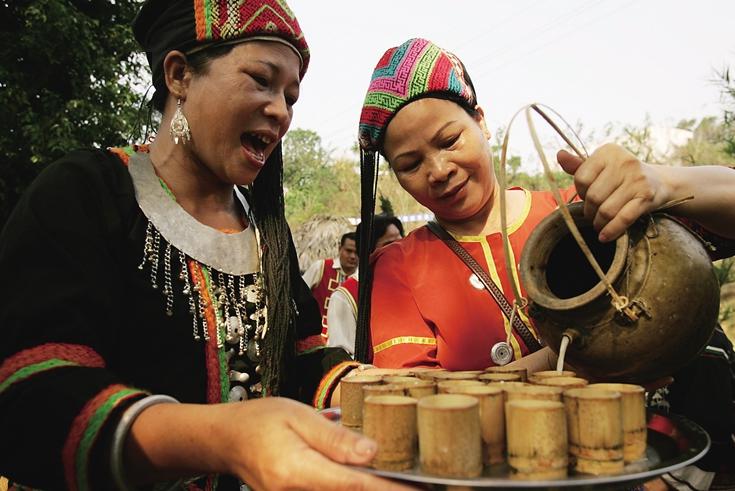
[(237, 394), (501, 353), (475, 282), (241, 377)]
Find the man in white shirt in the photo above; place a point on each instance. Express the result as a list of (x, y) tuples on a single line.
[(342, 311), (325, 275)]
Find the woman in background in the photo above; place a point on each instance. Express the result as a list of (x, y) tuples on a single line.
[(342, 312)]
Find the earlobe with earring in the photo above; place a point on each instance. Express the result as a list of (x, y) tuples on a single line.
[(179, 126)]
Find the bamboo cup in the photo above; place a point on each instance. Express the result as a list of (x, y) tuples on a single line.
[(400, 379), (531, 392), (391, 422), (498, 377), (381, 390), (509, 385), (536, 435), (634, 418), (416, 370), (450, 442), (351, 398), (492, 419), (413, 387), (471, 372), (417, 391), (522, 372), (564, 382), (389, 372), (443, 386), (439, 376), (430, 374), (533, 377), (595, 425)]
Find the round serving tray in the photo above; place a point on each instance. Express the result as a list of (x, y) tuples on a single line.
[(673, 442)]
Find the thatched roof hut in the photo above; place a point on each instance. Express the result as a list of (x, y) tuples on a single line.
[(318, 238)]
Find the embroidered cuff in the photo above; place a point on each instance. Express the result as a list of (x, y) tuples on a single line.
[(84, 431), (330, 381)]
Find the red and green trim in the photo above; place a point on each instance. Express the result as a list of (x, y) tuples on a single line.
[(84, 430), (310, 344), (203, 19), (330, 381), (221, 356), (45, 357), (124, 153), (218, 382)]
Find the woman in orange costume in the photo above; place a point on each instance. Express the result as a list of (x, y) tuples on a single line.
[(421, 306)]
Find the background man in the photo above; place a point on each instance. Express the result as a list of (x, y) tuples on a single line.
[(325, 275)]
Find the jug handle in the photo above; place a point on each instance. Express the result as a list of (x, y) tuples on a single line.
[(619, 302)]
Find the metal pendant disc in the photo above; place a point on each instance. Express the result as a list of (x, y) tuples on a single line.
[(237, 394), (501, 353)]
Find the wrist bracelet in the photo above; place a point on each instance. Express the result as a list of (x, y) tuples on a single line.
[(121, 434), (330, 382)]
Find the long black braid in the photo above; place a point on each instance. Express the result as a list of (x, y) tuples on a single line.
[(269, 210), (369, 163)]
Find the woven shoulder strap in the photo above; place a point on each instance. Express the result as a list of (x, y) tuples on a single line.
[(520, 327)]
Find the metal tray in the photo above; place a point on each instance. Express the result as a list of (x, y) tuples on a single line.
[(673, 442)]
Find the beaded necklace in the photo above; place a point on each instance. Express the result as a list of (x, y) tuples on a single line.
[(219, 274)]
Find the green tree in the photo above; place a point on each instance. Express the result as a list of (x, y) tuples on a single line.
[(708, 144), (727, 84), (386, 207), (68, 69), (308, 178)]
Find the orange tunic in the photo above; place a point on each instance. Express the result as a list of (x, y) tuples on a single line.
[(426, 311)]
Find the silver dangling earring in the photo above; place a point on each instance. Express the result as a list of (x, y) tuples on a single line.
[(179, 126)]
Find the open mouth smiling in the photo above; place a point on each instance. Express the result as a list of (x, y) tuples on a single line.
[(255, 145)]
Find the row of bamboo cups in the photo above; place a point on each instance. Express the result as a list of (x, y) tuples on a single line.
[(460, 422)]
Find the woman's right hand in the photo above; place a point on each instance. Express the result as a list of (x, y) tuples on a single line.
[(282, 444), (270, 443)]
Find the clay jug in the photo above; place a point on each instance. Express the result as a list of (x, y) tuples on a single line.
[(659, 266)]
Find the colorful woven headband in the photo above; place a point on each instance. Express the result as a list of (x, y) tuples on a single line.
[(191, 25), (417, 68)]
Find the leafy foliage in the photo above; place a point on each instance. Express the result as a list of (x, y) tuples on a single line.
[(727, 84), (68, 69), (386, 207), (307, 177), (708, 144)]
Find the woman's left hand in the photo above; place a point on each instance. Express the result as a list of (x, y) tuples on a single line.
[(616, 187)]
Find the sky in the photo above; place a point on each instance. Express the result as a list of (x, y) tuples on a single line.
[(594, 61)]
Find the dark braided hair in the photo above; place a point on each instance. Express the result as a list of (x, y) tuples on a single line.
[(369, 163), (269, 211)]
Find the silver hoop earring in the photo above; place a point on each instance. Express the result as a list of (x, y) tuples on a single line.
[(179, 127)]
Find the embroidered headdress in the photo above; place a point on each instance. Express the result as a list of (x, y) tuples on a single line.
[(192, 25), (414, 70), (417, 68)]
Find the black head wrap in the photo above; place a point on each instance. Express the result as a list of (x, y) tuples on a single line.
[(165, 25)]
